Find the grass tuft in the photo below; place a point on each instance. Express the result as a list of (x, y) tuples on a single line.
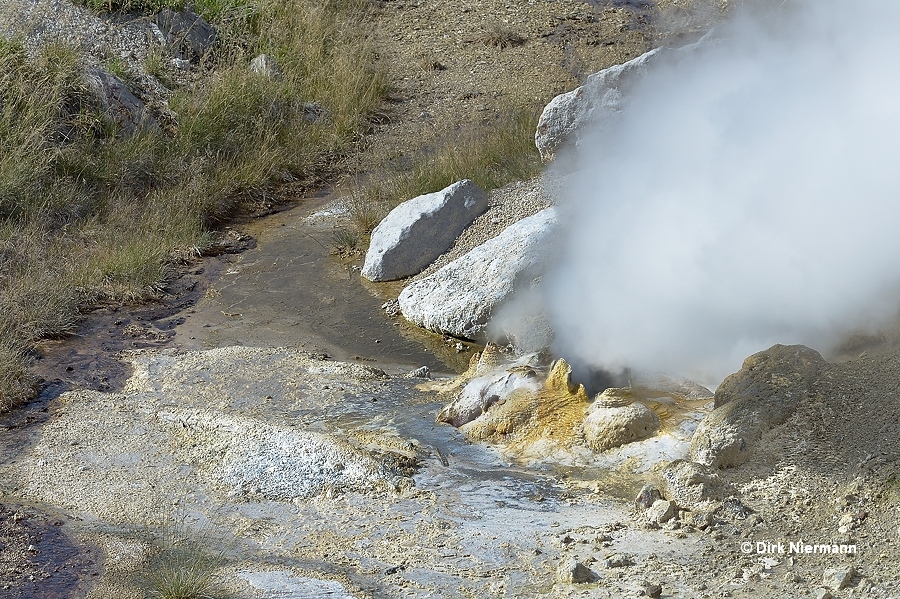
[(346, 242), (181, 563), (493, 154), (500, 37)]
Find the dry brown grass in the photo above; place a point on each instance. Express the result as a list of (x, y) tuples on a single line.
[(88, 214), (492, 153), (500, 37)]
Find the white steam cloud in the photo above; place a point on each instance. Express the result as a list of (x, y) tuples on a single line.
[(748, 194)]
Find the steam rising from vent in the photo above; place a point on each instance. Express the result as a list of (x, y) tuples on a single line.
[(749, 194)]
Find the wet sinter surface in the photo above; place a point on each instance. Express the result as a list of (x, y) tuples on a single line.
[(121, 457), (289, 291)]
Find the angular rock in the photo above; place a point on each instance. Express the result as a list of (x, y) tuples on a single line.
[(266, 66), (571, 571), (601, 97), (763, 394), (460, 298), (646, 497), (121, 106), (652, 590), (838, 578), (187, 33), (661, 511), (609, 427), (618, 560), (692, 484), (421, 229)]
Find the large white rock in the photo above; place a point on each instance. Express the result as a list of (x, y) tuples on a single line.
[(597, 100), (421, 229), (460, 298)]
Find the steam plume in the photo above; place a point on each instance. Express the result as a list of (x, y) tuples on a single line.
[(749, 194)]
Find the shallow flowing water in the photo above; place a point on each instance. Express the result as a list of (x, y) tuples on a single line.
[(473, 516)]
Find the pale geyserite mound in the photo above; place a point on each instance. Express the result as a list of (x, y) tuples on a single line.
[(421, 229)]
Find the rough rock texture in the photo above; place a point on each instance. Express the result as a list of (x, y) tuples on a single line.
[(265, 65), (600, 97), (121, 106), (646, 496), (608, 427), (488, 388), (692, 484), (460, 298), (661, 511), (421, 229), (187, 33), (764, 393), (571, 571), (548, 416), (838, 578)]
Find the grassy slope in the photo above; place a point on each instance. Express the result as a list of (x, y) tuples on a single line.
[(86, 214)]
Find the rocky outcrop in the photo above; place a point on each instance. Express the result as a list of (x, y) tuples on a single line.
[(187, 33), (764, 393), (490, 386), (692, 484), (119, 104), (615, 422), (601, 96), (460, 298), (421, 229)]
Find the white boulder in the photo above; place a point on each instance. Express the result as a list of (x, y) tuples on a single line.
[(596, 101), (421, 229), (460, 298)]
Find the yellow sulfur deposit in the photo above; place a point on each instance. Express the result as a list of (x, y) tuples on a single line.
[(553, 413)]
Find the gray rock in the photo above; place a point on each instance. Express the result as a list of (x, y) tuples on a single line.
[(187, 33), (822, 594), (391, 307), (571, 571), (618, 560), (646, 496), (600, 97), (421, 229), (652, 590), (609, 427), (838, 578), (460, 298), (692, 484), (764, 393), (661, 511), (121, 106), (266, 66), (419, 373)]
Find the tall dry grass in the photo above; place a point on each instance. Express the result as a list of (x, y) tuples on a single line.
[(86, 213), (492, 154)]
